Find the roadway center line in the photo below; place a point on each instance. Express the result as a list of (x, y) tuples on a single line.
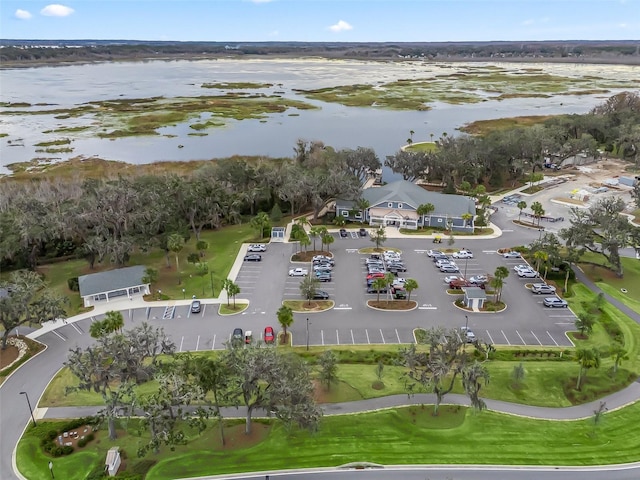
[(382, 337), (491, 339), (505, 337), (367, 332), (554, 340), (197, 343), (522, 339), (213, 342), (181, 342), (534, 335)]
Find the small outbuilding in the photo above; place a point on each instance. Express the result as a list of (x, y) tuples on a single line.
[(112, 285), (474, 297), (112, 463), (278, 234)]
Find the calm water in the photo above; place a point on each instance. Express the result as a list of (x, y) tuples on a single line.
[(335, 125)]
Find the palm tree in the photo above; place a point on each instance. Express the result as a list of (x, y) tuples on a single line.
[(314, 233), (175, 243), (501, 273), (389, 278), (410, 285), (587, 358), (466, 217), (538, 211), (618, 353), (114, 321), (584, 323), (328, 240), (285, 318), (379, 284), (521, 205), (425, 209), (540, 256), (305, 242)]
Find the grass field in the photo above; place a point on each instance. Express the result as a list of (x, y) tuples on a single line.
[(613, 285), (395, 436)]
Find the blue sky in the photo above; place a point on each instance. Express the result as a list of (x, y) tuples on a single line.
[(322, 20)]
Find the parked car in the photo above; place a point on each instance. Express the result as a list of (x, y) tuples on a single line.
[(440, 263), (237, 337), (254, 257), (511, 255), (553, 302), (528, 274), (322, 271), (431, 253), (543, 288), (322, 266), (452, 278), (449, 268), (463, 254), (374, 261), (322, 257), (323, 276), (363, 232), (399, 281), (398, 292), (517, 268), (343, 233), (321, 295), (269, 336), (441, 258), (196, 306), (371, 289), (257, 247), (467, 334), (375, 275), (298, 272), (395, 269), (456, 284), (478, 279)]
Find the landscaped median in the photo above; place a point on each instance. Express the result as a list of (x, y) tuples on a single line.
[(457, 436)]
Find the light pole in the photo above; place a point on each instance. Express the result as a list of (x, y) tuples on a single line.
[(51, 469), (30, 409), (307, 334), (212, 292), (184, 295), (466, 261), (466, 323)]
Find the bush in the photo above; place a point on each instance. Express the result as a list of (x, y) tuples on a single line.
[(73, 284), (97, 473)]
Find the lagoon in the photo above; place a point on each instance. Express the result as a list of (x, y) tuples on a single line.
[(274, 135)]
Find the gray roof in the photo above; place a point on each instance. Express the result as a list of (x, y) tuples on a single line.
[(474, 292), (108, 281), (414, 195)]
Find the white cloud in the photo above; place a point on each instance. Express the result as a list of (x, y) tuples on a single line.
[(56, 10), (260, 1), (341, 26), (23, 14), (528, 22)]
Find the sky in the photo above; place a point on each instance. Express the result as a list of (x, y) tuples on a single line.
[(321, 20)]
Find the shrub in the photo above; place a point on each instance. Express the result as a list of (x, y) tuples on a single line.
[(97, 473), (73, 284)]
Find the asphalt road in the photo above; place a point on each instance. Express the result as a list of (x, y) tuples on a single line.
[(266, 283)]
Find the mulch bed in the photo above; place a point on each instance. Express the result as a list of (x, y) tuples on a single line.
[(8, 355)]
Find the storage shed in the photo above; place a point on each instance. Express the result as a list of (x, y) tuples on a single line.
[(474, 297)]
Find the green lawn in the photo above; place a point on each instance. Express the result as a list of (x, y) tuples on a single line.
[(611, 284), (396, 436)]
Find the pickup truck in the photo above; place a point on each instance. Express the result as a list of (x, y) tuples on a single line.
[(457, 284), (298, 272)]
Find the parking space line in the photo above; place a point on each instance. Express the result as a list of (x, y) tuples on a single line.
[(398, 336), (198, 343), (181, 342), (522, 339), (61, 337), (554, 340), (353, 341), (204, 308), (322, 335), (505, 337), (213, 343), (534, 336), (367, 333), (382, 337), (76, 328), (490, 339)]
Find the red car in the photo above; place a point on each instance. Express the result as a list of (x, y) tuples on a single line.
[(375, 275), (269, 336)]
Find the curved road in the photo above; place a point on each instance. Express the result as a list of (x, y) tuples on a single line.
[(34, 376)]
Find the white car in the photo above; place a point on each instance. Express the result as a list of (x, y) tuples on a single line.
[(431, 253), (452, 278), (298, 272), (326, 266), (399, 281), (528, 274), (257, 247), (543, 288), (520, 267), (463, 254), (478, 279), (511, 255), (321, 257), (440, 263), (467, 334)]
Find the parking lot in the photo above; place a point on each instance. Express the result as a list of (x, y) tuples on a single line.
[(525, 322)]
